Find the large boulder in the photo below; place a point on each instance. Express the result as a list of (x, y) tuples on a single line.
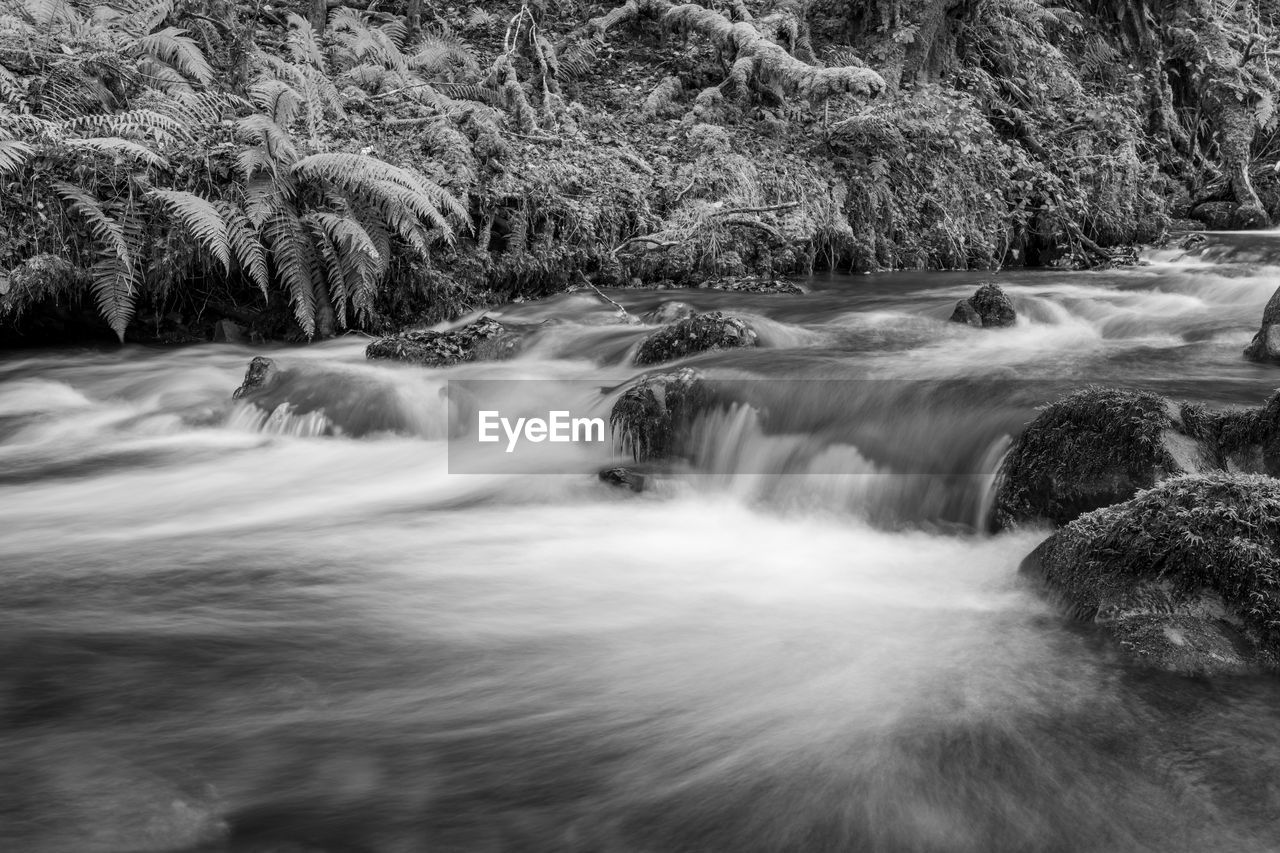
[(1100, 446), (1185, 576), (989, 307), (482, 340), (697, 333), (1266, 344)]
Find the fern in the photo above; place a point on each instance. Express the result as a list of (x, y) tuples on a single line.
[(118, 147), (138, 124), (101, 226), (247, 248), (173, 47), (293, 257), (400, 194), (280, 101), (273, 137), (202, 219), (13, 155)]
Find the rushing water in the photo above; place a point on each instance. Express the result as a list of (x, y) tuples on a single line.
[(224, 634)]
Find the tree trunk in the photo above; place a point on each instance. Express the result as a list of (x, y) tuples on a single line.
[(319, 15)]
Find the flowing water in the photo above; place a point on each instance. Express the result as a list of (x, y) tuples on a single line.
[(223, 632)]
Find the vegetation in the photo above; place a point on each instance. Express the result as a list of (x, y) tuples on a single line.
[(1091, 448), (1154, 561), (313, 167), (697, 333)]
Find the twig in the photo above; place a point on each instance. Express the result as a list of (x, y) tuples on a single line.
[(587, 282)]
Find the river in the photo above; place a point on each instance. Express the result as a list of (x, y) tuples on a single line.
[(220, 635)]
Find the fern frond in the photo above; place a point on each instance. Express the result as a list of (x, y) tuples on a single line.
[(202, 219), (115, 289), (331, 273), (357, 255), (134, 123), (395, 189), (13, 154), (278, 100), (171, 45), (294, 260), (265, 196), (120, 148), (11, 91), (275, 138), (160, 75), (47, 13), (101, 226), (252, 160), (303, 46), (246, 246), (470, 92), (147, 16)]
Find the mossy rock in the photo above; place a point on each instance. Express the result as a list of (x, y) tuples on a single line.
[(989, 307), (1100, 446), (1242, 441), (1091, 449), (1185, 576), (1265, 346), (652, 418), (485, 339), (698, 333)]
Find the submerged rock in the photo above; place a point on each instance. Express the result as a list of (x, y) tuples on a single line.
[(1186, 575), (697, 333), (989, 307), (261, 373), (484, 339), (651, 418), (1265, 346), (350, 402), (669, 312), (623, 476), (1100, 446)]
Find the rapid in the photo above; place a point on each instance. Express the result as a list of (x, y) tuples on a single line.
[(225, 632)]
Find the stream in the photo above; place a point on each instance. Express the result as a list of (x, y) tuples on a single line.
[(219, 633)]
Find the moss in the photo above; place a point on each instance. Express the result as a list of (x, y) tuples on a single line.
[(484, 339), (651, 419), (699, 333), (1174, 552), (1091, 448)]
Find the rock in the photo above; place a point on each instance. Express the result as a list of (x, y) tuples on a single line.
[(1229, 216), (989, 307), (1185, 576), (669, 312), (1100, 446), (651, 418), (698, 333), (750, 284), (262, 373), (1265, 346), (1216, 215), (228, 332), (623, 477), (1242, 441), (484, 339), (339, 401)]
